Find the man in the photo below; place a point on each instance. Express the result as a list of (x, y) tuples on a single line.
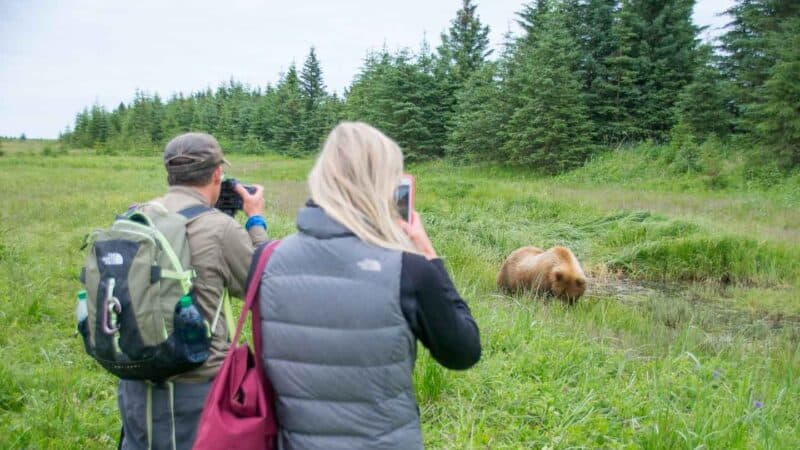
[(220, 254)]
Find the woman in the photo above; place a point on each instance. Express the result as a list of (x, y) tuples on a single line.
[(345, 298)]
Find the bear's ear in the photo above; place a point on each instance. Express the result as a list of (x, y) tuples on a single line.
[(559, 276)]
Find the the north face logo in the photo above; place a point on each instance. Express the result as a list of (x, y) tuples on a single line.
[(112, 259), (370, 265)]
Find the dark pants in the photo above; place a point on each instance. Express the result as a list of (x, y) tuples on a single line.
[(188, 405)]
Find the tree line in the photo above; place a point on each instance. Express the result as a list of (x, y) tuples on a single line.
[(581, 77)]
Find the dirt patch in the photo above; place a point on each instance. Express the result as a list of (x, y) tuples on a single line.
[(603, 281), (618, 288)]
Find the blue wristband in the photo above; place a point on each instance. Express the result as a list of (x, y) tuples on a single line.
[(255, 221)]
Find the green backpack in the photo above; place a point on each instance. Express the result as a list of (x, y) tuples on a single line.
[(135, 276)]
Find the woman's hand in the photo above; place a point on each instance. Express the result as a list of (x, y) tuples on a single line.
[(416, 232)]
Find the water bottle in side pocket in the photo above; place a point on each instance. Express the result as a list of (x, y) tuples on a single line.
[(191, 330), (81, 311)]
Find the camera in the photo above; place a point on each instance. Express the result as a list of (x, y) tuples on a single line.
[(229, 200)]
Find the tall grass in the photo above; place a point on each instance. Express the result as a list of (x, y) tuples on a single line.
[(695, 347)]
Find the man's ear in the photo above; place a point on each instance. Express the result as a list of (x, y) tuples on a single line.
[(218, 174)]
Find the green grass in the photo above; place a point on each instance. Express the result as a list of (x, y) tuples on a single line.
[(691, 321), (42, 147)]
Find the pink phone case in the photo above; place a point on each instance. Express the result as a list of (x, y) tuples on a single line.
[(412, 188)]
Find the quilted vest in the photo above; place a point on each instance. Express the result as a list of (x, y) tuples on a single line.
[(336, 345)]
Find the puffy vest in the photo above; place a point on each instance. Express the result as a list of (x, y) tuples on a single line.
[(336, 345)]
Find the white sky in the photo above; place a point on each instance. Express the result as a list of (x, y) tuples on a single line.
[(57, 57)]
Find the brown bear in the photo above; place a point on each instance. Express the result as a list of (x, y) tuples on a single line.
[(555, 271)]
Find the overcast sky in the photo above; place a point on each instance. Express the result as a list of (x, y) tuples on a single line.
[(57, 57)]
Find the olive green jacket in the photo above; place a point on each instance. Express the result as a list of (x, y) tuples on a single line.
[(221, 250)]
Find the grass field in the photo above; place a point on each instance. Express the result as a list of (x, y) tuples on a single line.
[(689, 336)]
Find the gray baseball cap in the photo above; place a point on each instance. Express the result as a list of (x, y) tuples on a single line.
[(189, 152)]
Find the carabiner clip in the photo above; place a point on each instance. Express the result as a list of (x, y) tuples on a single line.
[(113, 306)]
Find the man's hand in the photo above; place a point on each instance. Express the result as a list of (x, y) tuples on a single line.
[(252, 204)]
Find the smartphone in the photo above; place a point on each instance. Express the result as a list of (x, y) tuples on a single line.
[(404, 197)]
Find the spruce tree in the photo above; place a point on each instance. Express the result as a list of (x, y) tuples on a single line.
[(673, 59), (463, 50), (752, 44), (312, 90), (178, 112), (233, 102), (286, 128), (264, 116), (185, 112), (332, 111), (465, 47), (656, 58), (81, 136), (605, 69), (138, 123), (478, 118), (312, 85), (777, 116), (116, 119), (593, 29), (532, 18), (397, 94), (205, 115), (748, 45), (549, 127), (171, 115), (368, 98), (435, 97), (156, 121), (704, 105), (99, 125), (625, 80)]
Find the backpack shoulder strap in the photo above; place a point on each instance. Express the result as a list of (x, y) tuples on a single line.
[(178, 272), (193, 211)]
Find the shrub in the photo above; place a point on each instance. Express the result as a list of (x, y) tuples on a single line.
[(253, 145), (760, 172), (685, 150), (712, 161)]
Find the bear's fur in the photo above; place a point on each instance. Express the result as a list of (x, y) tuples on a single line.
[(555, 271)]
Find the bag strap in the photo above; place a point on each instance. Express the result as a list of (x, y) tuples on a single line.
[(250, 296), (190, 212)]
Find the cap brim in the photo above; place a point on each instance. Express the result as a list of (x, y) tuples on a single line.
[(225, 161)]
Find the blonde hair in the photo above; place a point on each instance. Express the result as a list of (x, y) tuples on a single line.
[(354, 179)]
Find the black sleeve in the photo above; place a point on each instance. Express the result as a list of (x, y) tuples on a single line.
[(437, 315)]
